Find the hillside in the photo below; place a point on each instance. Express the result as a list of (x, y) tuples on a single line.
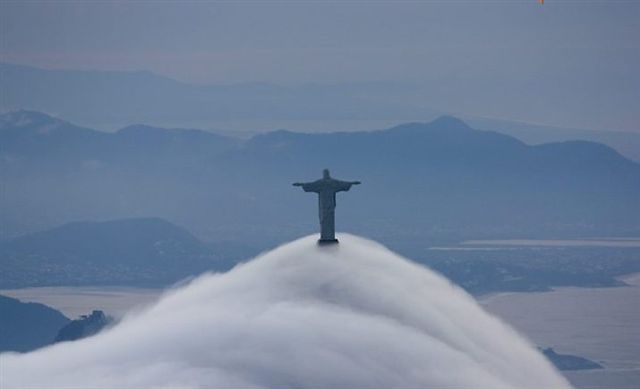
[(84, 326), (27, 326), (122, 252)]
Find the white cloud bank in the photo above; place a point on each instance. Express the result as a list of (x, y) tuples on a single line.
[(301, 316)]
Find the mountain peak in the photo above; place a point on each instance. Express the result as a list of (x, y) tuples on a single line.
[(26, 127), (25, 118), (84, 326), (450, 123)]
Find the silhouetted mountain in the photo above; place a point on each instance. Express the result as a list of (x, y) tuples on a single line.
[(131, 251), (29, 134), (27, 326), (427, 180), (84, 326)]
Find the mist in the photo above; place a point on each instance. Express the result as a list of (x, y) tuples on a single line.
[(300, 316)]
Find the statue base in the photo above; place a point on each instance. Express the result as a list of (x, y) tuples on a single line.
[(323, 242)]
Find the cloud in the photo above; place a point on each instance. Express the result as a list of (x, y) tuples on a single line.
[(301, 316)]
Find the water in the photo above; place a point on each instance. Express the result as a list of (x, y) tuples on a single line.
[(602, 324), (76, 301)]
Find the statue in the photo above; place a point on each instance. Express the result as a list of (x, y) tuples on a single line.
[(326, 188)]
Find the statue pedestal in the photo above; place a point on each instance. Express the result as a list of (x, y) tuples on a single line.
[(323, 242)]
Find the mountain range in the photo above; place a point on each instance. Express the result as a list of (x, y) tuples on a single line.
[(437, 180), (111, 99)]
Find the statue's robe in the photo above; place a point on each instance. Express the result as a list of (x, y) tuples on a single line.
[(326, 188)]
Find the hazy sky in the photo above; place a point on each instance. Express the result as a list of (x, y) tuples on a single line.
[(592, 46)]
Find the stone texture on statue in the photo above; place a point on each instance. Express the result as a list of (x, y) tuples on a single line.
[(326, 188)]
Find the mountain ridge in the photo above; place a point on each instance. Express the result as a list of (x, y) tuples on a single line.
[(144, 97), (447, 175)]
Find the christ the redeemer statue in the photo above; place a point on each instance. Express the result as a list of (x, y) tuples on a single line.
[(326, 188)]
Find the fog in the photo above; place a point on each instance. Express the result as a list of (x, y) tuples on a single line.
[(301, 316)]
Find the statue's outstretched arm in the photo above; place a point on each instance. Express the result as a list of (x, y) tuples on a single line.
[(344, 186), (307, 186)]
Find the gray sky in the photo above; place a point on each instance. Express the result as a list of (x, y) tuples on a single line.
[(560, 51)]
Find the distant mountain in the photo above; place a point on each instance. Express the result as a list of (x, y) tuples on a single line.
[(437, 180), (626, 143), (123, 252), (33, 134), (27, 326), (84, 326), (112, 99)]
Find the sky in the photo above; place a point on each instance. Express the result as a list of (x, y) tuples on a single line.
[(300, 316), (562, 51)]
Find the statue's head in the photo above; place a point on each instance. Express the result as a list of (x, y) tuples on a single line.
[(325, 173)]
